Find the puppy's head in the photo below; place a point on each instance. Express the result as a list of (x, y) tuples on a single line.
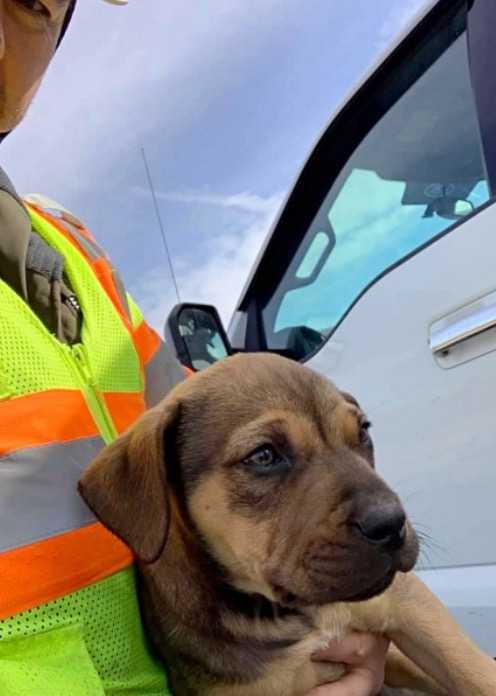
[(271, 470)]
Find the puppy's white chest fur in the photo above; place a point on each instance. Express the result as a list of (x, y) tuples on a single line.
[(333, 621)]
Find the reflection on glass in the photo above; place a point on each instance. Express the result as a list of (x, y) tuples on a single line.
[(314, 254), (201, 336)]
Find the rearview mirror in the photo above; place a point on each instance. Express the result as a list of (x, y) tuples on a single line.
[(198, 336), (449, 208)]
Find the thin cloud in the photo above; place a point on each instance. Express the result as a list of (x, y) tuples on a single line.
[(245, 201), (215, 276)]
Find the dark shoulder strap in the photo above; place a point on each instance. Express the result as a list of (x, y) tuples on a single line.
[(7, 186)]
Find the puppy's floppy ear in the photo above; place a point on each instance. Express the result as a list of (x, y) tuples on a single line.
[(126, 485)]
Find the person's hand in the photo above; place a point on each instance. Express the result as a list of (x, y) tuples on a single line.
[(364, 654)]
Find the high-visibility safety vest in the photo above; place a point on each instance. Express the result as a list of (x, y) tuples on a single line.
[(69, 619)]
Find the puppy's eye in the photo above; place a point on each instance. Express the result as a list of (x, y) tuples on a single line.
[(365, 438), (265, 460)]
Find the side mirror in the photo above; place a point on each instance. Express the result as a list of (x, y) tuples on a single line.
[(198, 336)]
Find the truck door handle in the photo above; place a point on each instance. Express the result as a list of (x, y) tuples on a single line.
[(480, 320)]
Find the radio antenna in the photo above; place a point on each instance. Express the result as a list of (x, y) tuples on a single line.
[(160, 223)]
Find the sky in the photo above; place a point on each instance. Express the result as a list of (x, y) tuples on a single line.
[(225, 97)]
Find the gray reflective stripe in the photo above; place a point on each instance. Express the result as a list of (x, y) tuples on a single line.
[(38, 491), (161, 374), (121, 290), (90, 247)]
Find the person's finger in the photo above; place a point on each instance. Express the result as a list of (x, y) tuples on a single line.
[(354, 649), (359, 682)]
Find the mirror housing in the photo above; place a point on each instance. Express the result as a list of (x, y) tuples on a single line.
[(198, 335)]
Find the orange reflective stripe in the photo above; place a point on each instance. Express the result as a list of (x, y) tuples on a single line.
[(58, 415), (147, 342), (73, 220), (41, 572), (125, 408), (104, 273)]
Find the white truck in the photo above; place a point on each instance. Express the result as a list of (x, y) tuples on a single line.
[(380, 272)]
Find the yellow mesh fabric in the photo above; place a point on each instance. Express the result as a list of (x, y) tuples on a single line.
[(103, 652), (113, 359), (136, 316), (31, 360), (39, 665)]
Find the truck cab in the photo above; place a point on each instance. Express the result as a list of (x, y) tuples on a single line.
[(380, 273)]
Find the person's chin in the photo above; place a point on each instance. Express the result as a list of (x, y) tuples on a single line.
[(9, 122), (11, 115)]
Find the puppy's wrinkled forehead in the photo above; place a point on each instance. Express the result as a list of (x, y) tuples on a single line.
[(245, 388)]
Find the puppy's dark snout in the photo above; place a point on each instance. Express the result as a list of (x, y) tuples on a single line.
[(383, 525)]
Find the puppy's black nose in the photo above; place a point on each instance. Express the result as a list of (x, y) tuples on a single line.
[(383, 525)]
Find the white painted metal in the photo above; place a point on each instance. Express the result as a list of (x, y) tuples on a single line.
[(470, 592), (434, 428)]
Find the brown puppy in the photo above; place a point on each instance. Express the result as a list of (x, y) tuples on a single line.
[(259, 524)]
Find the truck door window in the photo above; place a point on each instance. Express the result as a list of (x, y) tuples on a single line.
[(419, 170)]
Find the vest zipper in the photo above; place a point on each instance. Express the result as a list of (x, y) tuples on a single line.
[(94, 398)]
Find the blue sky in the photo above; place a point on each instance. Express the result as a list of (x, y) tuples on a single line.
[(226, 96)]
